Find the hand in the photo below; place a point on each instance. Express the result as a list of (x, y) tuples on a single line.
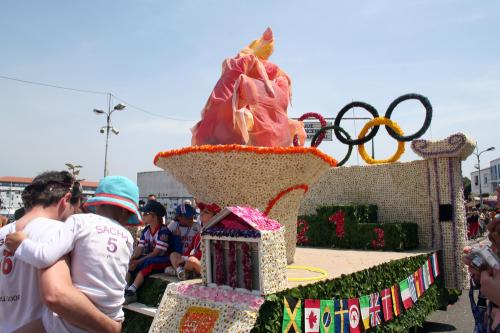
[(490, 284), (132, 265), (13, 240), (474, 272), (117, 327)]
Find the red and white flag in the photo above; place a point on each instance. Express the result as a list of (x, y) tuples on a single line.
[(429, 271), (354, 315), (311, 315), (387, 304), (435, 264)]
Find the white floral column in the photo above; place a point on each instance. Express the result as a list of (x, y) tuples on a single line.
[(445, 192)]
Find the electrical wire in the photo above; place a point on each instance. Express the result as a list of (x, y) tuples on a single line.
[(54, 86), (93, 92), (148, 112)]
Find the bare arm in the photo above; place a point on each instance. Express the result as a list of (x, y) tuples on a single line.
[(72, 305)]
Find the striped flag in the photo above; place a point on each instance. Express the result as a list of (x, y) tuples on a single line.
[(292, 315), (387, 304), (425, 276), (311, 316), (341, 316), (354, 316), (435, 264), (405, 294), (411, 286), (327, 324), (375, 310), (396, 300), (421, 279), (419, 289), (429, 271), (364, 304)]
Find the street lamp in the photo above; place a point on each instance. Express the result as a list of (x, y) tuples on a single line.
[(477, 153), (109, 127)]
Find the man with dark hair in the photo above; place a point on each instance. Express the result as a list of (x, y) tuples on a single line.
[(151, 197), (48, 202)]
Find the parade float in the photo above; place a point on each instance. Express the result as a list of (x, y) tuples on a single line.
[(405, 220)]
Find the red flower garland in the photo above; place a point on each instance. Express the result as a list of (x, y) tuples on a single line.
[(247, 265), (379, 242), (233, 273), (339, 220), (322, 122), (219, 263), (277, 198), (302, 228)]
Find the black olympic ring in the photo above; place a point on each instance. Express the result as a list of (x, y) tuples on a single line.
[(368, 137), (427, 122), (336, 128)]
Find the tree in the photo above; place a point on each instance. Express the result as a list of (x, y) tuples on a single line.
[(75, 170), (467, 187)]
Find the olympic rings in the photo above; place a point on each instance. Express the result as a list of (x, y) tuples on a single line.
[(390, 124), (427, 122), (341, 113), (322, 122), (323, 130)]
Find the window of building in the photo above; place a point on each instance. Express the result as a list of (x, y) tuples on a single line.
[(476, 180), (485, 180)]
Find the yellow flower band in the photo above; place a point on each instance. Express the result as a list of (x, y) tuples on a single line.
[(377, 122)]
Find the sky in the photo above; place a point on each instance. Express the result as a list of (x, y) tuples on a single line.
[(163, 58)]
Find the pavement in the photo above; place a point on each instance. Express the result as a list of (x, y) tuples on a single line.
[(456, 318)]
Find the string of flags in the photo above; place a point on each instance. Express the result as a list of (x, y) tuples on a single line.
[(355, 314)]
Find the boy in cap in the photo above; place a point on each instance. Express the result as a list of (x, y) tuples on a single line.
[(189, 261), (100, 249), (151, 255)]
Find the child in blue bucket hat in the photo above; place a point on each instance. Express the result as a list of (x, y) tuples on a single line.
[(100, 249)]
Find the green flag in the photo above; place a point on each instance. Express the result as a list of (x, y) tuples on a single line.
[(364, 306), (327, 324), (292, 315)]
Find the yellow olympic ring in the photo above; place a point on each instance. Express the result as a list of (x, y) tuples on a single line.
[(323, 273), (376, 122)]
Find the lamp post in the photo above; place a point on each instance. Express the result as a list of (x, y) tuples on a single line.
[(478, 153), (109, 127)]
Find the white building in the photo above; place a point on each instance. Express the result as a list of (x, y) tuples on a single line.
[(165, 187), (490, 178), (11, 189)]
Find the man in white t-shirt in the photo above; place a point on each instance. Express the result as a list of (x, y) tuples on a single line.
[(48, 201), (100, 249)]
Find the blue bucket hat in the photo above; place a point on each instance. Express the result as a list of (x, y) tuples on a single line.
[(117, 191)]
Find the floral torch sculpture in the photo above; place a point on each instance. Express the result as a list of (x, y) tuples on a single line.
[(242, 151)]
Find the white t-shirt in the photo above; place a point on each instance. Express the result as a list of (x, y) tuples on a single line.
[(101, 250), (20, 300), (187, 233)]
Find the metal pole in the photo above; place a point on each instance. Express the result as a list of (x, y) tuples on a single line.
[(480, 181), (108, 119)]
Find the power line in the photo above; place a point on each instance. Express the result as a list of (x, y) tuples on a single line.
[(54, 86), (92, 92), (148, 112)]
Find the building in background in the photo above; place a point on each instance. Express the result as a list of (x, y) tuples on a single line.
[(165, 187), (12, 187), (490, 179)]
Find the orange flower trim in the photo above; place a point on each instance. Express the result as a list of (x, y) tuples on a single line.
[(273, 202), (198, 320), (252, 149)]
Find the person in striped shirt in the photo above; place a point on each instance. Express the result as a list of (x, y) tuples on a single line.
[(152, 253), (189, 261)]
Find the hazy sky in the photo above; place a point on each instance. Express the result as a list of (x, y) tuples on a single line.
[(165, 57)]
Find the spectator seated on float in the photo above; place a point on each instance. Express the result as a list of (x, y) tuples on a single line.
[(152, 253)]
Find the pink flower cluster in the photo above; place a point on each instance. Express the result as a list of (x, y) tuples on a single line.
[(302, 228), (221, 295), (379, 242), (247, 265), (255, 218), (338, 219)]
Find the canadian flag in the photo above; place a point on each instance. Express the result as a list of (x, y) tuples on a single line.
[(311, 315)]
